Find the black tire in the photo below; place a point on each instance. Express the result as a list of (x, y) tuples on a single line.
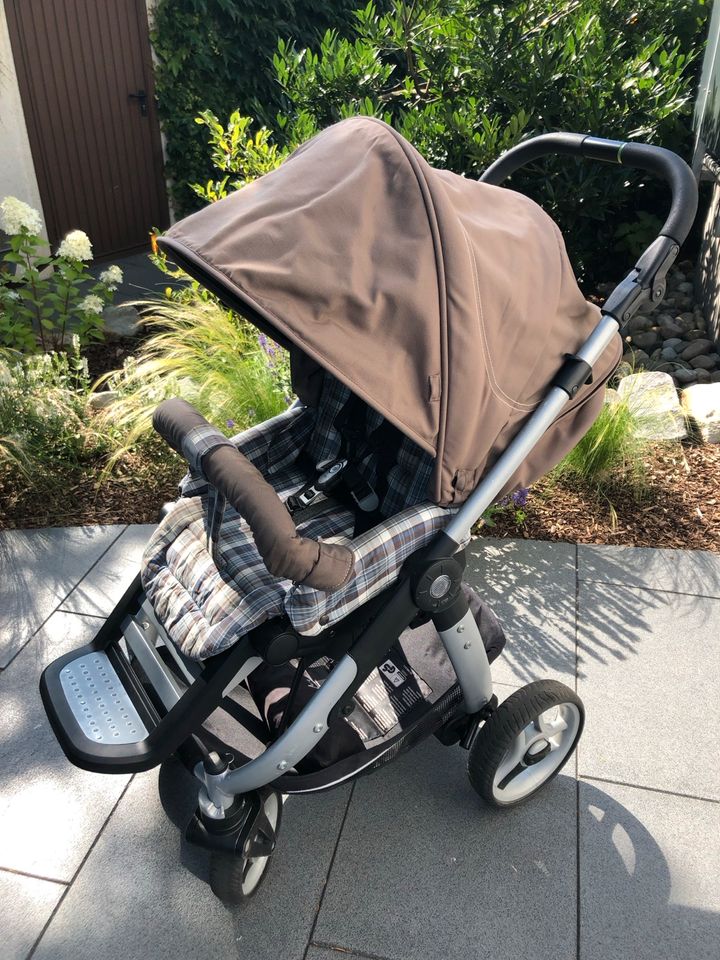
[(498, 735), (228, 872)]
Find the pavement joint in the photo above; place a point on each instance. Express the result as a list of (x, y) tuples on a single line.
[(329, 869), (35, 876), (82, 863), (57, 609), (347, 951), (642, 786)]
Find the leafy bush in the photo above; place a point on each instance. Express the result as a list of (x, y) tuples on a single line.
[(45, 425), (217, 54), (464, 80), (46, 297), (202, 352)]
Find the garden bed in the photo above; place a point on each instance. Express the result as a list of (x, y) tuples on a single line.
[(677, 506)]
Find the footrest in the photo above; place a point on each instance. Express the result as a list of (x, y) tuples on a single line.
[(99, 702), (98, 710)]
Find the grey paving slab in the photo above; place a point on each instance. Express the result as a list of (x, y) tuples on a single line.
[(101, 588), (424, 871), (651, 692), (50, 812), (680, 571), (649, 866), (531, 587), (39, 568), (26, 906), (142, 892)]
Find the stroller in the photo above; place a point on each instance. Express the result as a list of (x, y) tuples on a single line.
[(307, 585)]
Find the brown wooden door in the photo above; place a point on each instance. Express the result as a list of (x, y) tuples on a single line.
[(96, 148)]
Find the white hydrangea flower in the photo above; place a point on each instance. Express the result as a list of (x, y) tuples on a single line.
[(92, 304), (76, 246), (112, 277), (16, 216)]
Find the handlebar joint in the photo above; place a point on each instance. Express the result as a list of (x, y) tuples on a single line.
[(645, 283)]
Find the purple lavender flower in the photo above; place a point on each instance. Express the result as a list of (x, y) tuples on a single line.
[(520, 497), (231, 424)]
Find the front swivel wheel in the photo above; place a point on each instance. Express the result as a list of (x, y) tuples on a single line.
[(234, 878), (525, 742)]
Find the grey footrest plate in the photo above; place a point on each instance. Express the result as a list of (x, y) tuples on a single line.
[(99, 701)]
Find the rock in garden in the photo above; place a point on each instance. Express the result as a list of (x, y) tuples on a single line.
[(645, 340), (101, 399), (683, 375), (673, 342), (706, 361), (686, 287), (668, 353), (668, 328), (653, 399), (121, 321), (665, 367), (715, 377), (701, 403), (655, 355), (695, 348), (638, 324), (703, 376), (695, 334)]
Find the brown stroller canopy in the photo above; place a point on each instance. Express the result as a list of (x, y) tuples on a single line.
[(446, 304)]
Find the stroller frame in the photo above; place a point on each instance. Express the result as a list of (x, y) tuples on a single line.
[(185, 693)]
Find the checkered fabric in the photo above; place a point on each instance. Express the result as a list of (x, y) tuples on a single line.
[(210, 586)]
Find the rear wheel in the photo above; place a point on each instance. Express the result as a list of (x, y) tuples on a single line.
[(525, 742), (234, 878)]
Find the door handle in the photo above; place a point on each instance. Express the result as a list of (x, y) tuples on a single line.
[(141, 98)]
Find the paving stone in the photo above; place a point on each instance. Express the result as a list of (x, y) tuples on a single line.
[(50, 812), (653, 399), (679, 571), (101, 589), (701, 404), (423, 871), (161, 906), (29, 902), (649, 677), (39, 568), (328, 953), (648, 875), (530, 585)]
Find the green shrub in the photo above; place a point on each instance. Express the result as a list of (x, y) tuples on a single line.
[(217, 54), (205, 354), (44, 297), (465, 80), (45, 425)]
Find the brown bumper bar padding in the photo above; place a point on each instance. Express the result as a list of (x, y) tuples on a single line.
[(325, 566)]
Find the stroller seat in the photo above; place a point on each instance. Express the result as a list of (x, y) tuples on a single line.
[(210, 588)]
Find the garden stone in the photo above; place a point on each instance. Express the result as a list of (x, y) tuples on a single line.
[(706, 362), (715, 377), (638, 324), (655, 355), (683, 303), (653, 399), (645, 340), (703, 376), (682, 375), (686, 287), (668, 328), (673, 343), (696, 348), (675, 279), (702, 406), (611, 396), (695, 334), (664, 367), (101, 399), (667, 353), (121, 321)]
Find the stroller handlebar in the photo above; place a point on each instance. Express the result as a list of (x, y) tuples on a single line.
[(656, 160), (286, 555), (646, 282)]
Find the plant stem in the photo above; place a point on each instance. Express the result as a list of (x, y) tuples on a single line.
[(36, 304)]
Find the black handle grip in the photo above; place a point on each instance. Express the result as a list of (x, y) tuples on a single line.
[(286, 555), (656, 160)]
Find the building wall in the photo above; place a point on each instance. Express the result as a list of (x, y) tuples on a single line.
[(17, 172)]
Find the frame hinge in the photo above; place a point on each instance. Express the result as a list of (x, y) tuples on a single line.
[(573, 374)]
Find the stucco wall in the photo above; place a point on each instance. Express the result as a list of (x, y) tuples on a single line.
[(17, 172)]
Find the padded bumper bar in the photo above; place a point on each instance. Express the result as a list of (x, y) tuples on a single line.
[(286, 555)]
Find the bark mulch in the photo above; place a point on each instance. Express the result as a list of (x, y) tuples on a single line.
[(134, 494), (677, 505)]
